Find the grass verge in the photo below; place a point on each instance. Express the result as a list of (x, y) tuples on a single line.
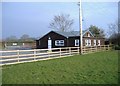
[(95, 68)]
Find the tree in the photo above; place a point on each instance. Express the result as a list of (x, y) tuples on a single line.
[(97, 32), (11, 39), (114, 33), (61, 23), (113, 28), (25, 36)]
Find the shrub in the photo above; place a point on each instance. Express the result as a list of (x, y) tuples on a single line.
[(117, 47)]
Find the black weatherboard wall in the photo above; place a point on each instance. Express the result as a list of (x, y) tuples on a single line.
[(43, 42), (71, 41)]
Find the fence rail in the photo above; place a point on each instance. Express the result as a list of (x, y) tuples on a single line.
[(21, 56)]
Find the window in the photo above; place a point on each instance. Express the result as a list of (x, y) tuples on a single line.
[(59, 43), (86, 42), (14, 44), (77, 42), (88, 35), (98, 42), (89, 41), (23, 44)]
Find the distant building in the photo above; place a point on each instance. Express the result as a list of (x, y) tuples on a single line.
[(20, 44), (55, 39)]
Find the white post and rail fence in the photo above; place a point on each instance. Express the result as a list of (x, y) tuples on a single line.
[(21, 56)]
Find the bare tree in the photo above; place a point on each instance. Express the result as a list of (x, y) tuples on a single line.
[(25, 36), (113, 28), (11, 38), (114, 33), (62, 23)]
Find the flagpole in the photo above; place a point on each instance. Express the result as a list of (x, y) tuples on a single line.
[(80, 17)]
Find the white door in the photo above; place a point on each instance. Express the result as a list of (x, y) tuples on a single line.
[(94, 42), (49, 43)]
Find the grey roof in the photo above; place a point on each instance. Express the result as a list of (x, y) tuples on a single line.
[(71, 33)]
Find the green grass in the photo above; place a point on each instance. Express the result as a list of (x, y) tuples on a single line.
[(96, 68)]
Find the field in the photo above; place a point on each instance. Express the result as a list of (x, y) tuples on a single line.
[(95, 68)]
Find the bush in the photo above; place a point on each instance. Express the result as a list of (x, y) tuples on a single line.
[(117, 47)]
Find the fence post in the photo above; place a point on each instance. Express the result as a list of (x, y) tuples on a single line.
[(90, 49), (108, 47), (18, 52), (84, 50), (100, 47), (96, 48), (104, 48), (69, 50), (60, 52), (34, 54), (78, 50), (49, 52)]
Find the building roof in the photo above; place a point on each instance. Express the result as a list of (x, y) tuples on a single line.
[(68, 34), (71, 33)]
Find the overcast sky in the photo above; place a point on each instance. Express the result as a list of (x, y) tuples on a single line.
[(32, 18)]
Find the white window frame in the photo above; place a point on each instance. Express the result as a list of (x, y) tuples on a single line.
[(76, 42), (59, 42), (86, 42), (23, 44), (94, 42), (14, 44), (98, 42), (88, 35), (89, 42)]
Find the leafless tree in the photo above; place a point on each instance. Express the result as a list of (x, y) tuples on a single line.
[(114, 33), (62, 23), (113, 28)]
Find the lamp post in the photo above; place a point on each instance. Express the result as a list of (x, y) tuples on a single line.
[(80, 25)]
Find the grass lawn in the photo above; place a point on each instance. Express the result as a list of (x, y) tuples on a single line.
[(95, 68)]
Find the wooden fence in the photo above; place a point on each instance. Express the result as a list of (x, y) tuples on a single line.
[(21, 56)]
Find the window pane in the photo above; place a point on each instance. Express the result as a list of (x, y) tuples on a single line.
[(59, 42)]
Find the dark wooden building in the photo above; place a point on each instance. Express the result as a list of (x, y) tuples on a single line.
[(55, 39)]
